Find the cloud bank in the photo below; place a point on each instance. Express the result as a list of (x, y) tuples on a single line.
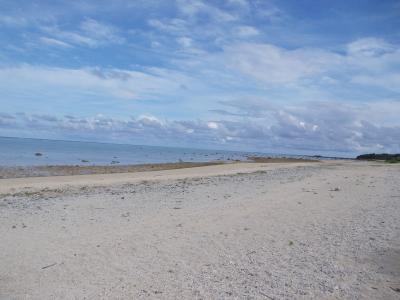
[(293, 129)]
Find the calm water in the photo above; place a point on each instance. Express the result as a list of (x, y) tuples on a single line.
[(21, 152)]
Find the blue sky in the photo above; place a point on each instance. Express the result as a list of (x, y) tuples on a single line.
[(319, 77)]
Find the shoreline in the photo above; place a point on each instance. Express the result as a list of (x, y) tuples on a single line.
[(36, 184), (7, 172)]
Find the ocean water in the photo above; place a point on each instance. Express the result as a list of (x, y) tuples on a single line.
[(22, 152)]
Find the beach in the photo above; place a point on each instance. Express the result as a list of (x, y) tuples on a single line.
[(245, 230)]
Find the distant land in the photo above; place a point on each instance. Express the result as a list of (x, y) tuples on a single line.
[(391, 158)]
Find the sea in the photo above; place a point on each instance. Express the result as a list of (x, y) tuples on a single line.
[(39, 152)]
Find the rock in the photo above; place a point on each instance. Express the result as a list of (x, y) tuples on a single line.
[(396, 289)]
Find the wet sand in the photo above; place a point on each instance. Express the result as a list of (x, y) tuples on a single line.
[(322, 230), (65, 170), (45, 171)]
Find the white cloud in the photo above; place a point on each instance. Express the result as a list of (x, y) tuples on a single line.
[(91, 33), (193, 8), (241, 3), (373, 63), (185, 42), (13, 21), (369, 47), (149, 120), (389, 82), (246, 31), (54, 42), (176, 26), (7, 120), (70, 37), (275, 65), (368, 62), (212, 125), (271, 13), (101, 32), (122, 84)]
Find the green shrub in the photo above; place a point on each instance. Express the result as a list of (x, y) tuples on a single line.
[(393, 160)]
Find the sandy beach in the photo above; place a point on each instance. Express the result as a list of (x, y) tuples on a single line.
[(289, 230)]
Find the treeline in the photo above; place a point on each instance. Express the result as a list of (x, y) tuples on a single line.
[(381, 156)]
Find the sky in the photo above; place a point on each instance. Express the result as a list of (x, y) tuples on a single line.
[(289, 76)]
